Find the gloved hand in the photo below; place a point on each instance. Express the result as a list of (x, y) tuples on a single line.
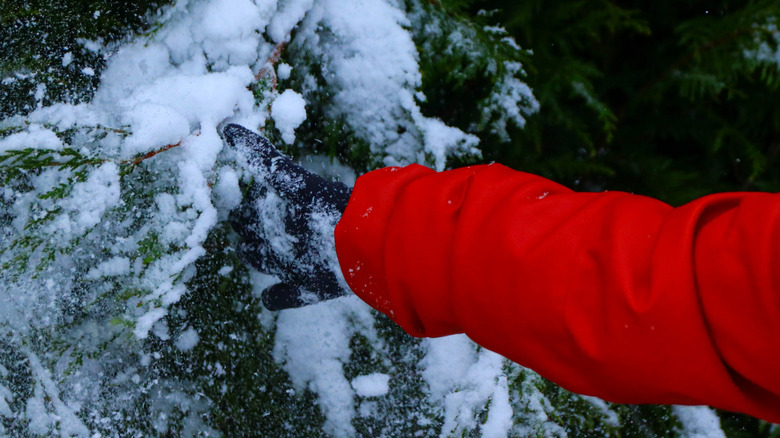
[(286, 222)]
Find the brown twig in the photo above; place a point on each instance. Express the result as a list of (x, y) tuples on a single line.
[(150, 154), (132, 161), (269, 63)]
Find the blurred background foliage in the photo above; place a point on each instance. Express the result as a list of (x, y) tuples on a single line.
[(672, 99)]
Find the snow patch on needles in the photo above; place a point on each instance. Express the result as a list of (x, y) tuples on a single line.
[(466, 380), (371, 385), (89, 201), (373, 63), (512, 101), (36, 137), (699, 422), (288, 111), (323, 331)]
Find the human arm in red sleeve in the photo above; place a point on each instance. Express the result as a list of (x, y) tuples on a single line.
[(608, 294)]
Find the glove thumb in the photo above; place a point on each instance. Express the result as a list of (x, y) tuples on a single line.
[(287, 296)]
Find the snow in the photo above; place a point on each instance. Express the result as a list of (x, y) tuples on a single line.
[(90, 201), (160, 329), (535, 406), (115, 266), (320, 331), (287, 16), (465, 380), (371, 385), (611, 417), (499, 419), (153, 127), (766, 52), (512, 102), (195, 193), (187, 340), (228, 20), (377, 79), (201, 98), (288, 111), (283, 71), (36, 137), (64, 416), (5, 396), (227, 192), (438, 139), (67, 59), (698, 422), (144, 323)]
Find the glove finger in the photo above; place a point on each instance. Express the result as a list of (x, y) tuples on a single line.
[(253, 254), (286, 296), (290, 180), (245, 219), (282, 174), (241, 138), (324, 285)]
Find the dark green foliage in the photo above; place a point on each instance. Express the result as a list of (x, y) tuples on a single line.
[(36, 35), (576, 416), (19, 379), (253, 396), (404, 410), (662, 99), (462, 62), (648, 421), (742, 426)]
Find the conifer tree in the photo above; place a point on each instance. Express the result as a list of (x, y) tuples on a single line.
[(124, 308)]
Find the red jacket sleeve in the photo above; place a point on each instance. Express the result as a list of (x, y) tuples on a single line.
[(608, 294)]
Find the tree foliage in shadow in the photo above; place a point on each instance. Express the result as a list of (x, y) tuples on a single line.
[(672, 100)]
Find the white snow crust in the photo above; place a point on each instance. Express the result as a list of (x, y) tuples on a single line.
[(699, 422), (371, 385), (288, 111), (377, 80), (36, 137)]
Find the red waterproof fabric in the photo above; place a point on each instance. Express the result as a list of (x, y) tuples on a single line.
[(608, 294)]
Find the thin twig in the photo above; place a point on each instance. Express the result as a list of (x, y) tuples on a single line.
[(132, 161), (269, 63), (150, 154)]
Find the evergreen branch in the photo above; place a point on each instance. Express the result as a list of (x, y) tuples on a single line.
[(39, 158), (699, 34), (14, 163), (689, 57), (14, 129), (137, 161)]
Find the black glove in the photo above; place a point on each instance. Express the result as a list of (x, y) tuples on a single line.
[(286, 222)]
